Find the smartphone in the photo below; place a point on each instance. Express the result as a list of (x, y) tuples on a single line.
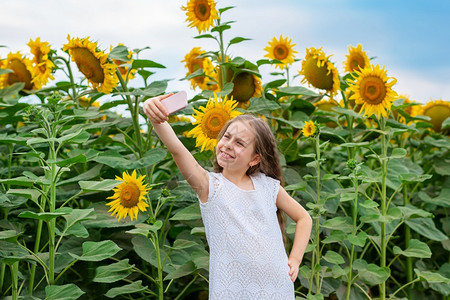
[(175, 102)]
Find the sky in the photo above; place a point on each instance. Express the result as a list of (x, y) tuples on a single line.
[(410, 38)]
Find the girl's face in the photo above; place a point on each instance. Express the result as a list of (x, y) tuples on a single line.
[(236, 149)]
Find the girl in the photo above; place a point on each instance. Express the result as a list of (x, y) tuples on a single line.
[(240, 203)]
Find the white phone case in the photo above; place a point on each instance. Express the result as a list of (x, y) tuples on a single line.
[(175, 102)]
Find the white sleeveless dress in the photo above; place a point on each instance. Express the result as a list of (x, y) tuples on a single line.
[(248, 260)]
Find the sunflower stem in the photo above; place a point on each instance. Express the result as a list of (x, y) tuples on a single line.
[(134, 111), (383, 245), (74, 96), (15, 280), (222, 59), (316, 267), (160, 282), (354, 229), (409, 265)]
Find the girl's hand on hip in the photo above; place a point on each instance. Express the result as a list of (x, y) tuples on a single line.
[(293, 268), (155, 111)]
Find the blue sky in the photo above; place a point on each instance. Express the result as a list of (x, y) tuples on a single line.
[(410, 38)]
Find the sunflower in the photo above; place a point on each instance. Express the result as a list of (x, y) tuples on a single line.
[(201, 14), (22, 71), (42, 64), (124, 69), (93, 63), (372, 88), (193, 63), (357, 59), (319, 72), (309, 129), (211, 119), (245, 86), (438, 111), (281, 50), (129, 196)]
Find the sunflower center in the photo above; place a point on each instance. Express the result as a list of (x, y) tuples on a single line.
[(202, 10), (280, 52), (318, 76), (20, 74), (213, 122), (88, 64), (372, 90), (437, 114), (244, 86), (129, 195), (357, 61)]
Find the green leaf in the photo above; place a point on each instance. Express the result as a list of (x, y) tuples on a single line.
[(426, 227), (333, 257), (237, 40), (296, 90), (258, 105), (204, 36), (113, 272), (358, 240), (182, 244), (75, 138), (409, 211), (442, 200), (145, 249), (11, 90), (182, 271), (119, 53), (220, 28), (369, 204), (335, 236), (8, 234), (11, 201), (431, 277), (192, 212), (145, 63), (398, 153), (411, 177), (45, 216), (91, 173), (97, 251), (145, 229), (94, 186), (339, 223), (133, 287), (295, 124), (373, 274), (21, 180), (79, 215), (63, 292), (31, 194), (415, 248)]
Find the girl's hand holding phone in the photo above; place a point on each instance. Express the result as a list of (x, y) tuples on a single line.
[(157, 109)]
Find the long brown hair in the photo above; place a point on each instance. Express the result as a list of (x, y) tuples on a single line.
[(266, 147)]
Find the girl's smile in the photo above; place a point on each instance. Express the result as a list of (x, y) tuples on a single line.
[(235, 150)]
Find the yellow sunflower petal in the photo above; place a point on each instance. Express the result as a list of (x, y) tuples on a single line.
[(211, 119), (357, 59), (438, 111), (201, 14), (281, 49), (93, 63), (319, 72), (373, 89), (129, 196)]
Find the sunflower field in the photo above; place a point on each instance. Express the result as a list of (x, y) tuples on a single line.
[(92, 205)]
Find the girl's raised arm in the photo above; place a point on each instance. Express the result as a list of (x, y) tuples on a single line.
[(196, 176)]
